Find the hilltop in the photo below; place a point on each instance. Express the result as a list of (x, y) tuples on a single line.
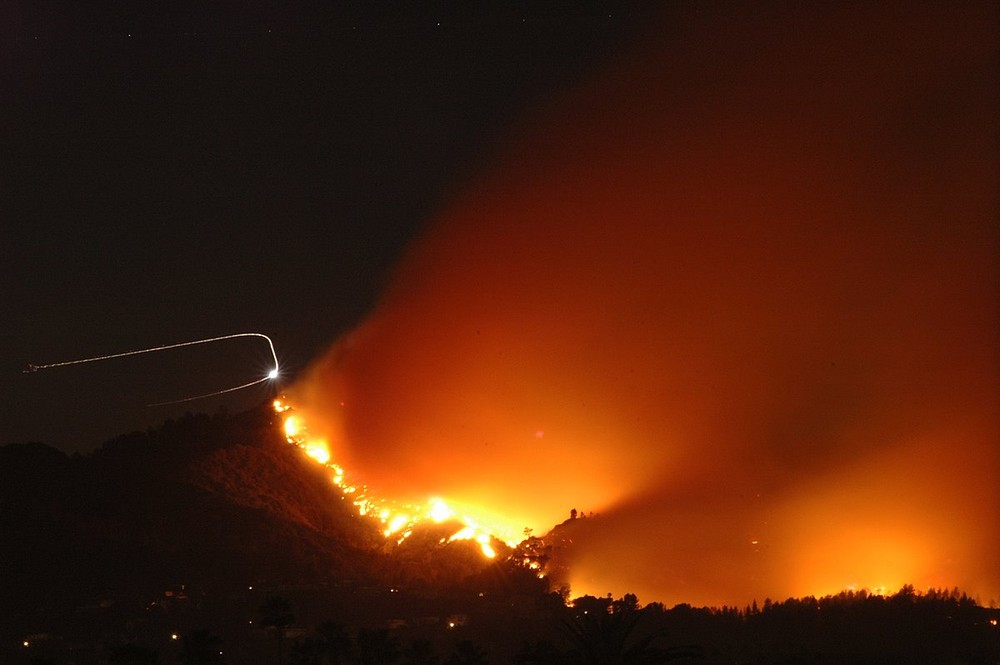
[(218, 499)]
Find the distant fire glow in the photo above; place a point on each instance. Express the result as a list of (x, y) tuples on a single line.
[(398, 521), (738, 296)]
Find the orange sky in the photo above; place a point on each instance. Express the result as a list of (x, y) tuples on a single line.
[(743, 286)]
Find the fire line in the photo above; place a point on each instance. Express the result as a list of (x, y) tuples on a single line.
[(397, 521)]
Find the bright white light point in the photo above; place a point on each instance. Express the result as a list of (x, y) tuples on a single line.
[(465, 533), (397, 523), (440, 511), (318, 451), (273, 374)]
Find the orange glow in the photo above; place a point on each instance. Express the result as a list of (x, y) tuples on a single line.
[(440, 511), (291, 427), (738, 295), (397, 521), (319, 452)]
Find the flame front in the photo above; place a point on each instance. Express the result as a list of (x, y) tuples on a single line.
[(398, 521)]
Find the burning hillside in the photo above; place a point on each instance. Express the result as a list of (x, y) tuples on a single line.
[(218, 502), (398, 519), (739, 295)]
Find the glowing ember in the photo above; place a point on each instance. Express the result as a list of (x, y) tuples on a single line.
[(397, 521), (291, 427), (439, 511), (318, 451)]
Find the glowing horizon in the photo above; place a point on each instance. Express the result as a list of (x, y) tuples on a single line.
[(738, 294)]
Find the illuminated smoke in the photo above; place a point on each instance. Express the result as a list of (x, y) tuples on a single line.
[(738, 296)]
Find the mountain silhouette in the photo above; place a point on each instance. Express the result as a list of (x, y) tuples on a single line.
[(215, 500)]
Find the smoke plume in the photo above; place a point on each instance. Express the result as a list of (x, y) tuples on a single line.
[(738, 295)]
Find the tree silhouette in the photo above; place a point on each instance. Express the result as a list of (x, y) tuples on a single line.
[(276, 615), (604, 632), (335, 643)]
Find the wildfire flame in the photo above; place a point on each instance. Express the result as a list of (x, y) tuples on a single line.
[(398, 520), (738, 294)]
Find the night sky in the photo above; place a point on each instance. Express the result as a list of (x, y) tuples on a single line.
[(187, 170), (726, 275)]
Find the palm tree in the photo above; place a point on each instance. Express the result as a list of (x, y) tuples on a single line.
[(604, 634), (276, 615), (334, 643)]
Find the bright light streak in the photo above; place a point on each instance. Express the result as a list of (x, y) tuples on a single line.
[(273, 374)]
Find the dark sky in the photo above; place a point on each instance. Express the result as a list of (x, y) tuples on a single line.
[(189, 170)]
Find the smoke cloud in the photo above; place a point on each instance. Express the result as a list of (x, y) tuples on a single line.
[(738, 295)]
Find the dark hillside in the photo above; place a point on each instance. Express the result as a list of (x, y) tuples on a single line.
[(215, 501)]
